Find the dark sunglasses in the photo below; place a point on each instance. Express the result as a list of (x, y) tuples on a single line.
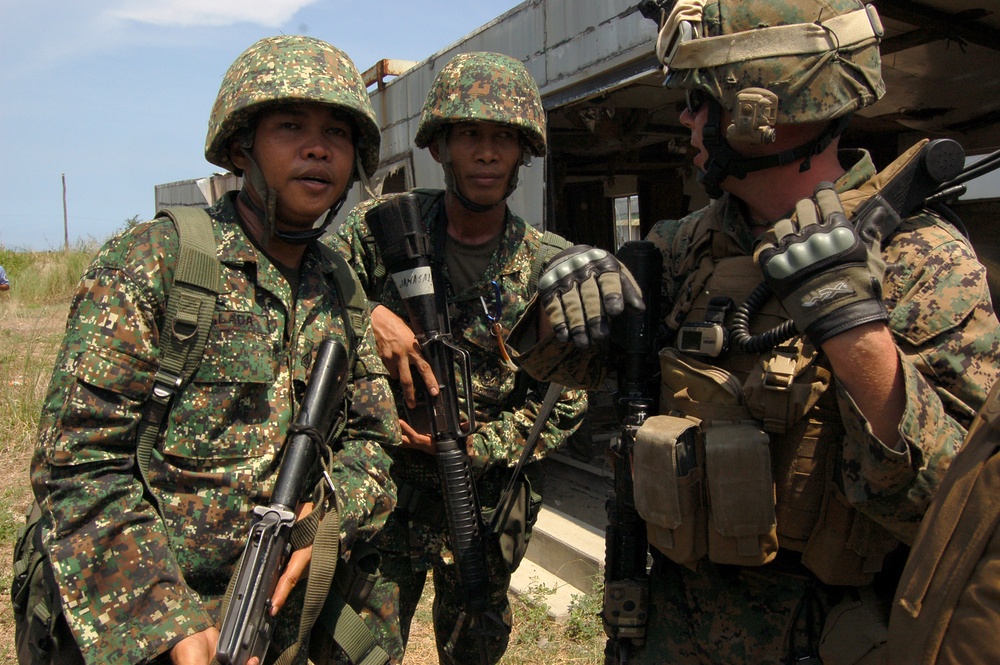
[(695, 100)]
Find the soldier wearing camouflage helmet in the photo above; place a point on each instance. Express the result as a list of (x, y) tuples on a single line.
[(141, 564), (482, 121), (804, 424)]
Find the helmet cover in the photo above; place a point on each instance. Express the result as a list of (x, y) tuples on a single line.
[(487, 87), (290, 68), (820, 58)]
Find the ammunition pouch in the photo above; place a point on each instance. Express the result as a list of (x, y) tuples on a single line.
[(668, 479), (354, 579), (732, 521), (846, 547), (741, 522)]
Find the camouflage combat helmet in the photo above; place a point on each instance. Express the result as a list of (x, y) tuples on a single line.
[(290, 68), (818, 58), (488, 87), (769, 62)]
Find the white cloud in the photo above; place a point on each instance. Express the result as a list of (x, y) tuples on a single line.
[(188, 13)]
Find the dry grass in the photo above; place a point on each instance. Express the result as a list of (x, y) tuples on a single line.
[(29, 338), (32, 318)]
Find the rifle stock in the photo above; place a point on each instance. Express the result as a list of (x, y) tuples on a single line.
[(405, 248), (246, 628), (634, 341)]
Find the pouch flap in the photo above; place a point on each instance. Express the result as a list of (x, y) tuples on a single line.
[(740, 485)]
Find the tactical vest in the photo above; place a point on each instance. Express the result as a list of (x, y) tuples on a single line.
[(750, 443)]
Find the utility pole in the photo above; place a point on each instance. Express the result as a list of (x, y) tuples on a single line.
[(65, 218)]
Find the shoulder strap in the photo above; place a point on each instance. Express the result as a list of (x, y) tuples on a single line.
[(552, 244), (190, 305), (352, 294)]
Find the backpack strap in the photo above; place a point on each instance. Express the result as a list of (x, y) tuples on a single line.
[(352, 297), (190, 305)]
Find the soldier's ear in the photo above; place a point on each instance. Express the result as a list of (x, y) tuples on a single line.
[(236, 155), (435, 151)]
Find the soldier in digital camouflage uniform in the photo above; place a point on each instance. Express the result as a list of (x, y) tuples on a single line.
[(482, 119), (294, 117), (784, 477)]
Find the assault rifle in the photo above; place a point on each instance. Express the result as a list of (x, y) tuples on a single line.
[(246, 629), (405, 248), (633, 338)]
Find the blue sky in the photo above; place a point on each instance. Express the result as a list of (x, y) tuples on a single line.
[(115, 94)]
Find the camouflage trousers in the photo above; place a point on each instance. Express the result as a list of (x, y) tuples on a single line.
[(409, 550), (379, 615), (718, 614)]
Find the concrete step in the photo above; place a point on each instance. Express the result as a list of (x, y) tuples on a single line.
[(532, 582), (567, 548), (566, 551)]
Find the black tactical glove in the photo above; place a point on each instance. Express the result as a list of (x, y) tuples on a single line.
[(826, 278), (581, 288)]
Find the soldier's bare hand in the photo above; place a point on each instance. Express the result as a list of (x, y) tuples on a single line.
[(416, 440), (197, 649), (400, 351), (297, 569)]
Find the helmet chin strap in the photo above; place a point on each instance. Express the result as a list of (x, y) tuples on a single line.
[(268, 214), (724, 161), (449, 181)]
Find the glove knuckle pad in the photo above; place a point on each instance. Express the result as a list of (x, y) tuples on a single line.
[(811, 251)]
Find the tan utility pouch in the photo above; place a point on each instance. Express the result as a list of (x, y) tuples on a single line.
[(741, 520), (846, 547), (700, 391), (667, 476), (856, 630)]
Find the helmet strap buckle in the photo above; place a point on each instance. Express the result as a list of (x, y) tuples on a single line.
[(754, 117)]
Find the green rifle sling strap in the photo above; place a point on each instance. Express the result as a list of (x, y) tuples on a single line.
[(322, 603), (190, 305)]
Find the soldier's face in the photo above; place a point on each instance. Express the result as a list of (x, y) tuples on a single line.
[(306, 152), (484, 156)]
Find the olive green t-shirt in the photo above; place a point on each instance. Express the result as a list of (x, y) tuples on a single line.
[(467, 263)]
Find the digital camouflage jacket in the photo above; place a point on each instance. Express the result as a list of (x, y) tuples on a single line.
[(947, 338), (505, 413), (133, 584)]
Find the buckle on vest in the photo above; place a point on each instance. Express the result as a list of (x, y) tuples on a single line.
[(779, 370)]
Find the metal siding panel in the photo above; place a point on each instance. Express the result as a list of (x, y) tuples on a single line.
[(427, 172), (520, 35), (594, 46), (396, 140)]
